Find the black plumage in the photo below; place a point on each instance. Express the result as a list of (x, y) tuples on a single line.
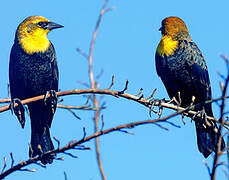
[(33, 74), (184, 70)]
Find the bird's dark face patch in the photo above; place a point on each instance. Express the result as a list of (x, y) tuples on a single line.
[(43, 24), (49, 25)]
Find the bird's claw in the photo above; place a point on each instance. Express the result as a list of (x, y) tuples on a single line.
[(18, 110), (52, 100), (153, 102), (203, 118), (174, 101)]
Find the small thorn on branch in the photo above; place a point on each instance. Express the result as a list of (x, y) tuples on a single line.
[(141, 97), (82, 148), (171, 123), (73, 113), (58, 142), (4, 166), (12, 159), (127, 132), (28, 170), (126, 87), (88, 99), (140, 91), (151, 96), (112, 83), (102, 123), (59, 158), (160, 126), (70, 154), (65, 176), (84, 133), (182, 118)]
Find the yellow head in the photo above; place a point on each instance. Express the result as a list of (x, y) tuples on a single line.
[(32, 34), (172, 30)]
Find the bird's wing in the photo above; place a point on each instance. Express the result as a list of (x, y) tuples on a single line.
[(55, 72), (14, 77), (198, 72)]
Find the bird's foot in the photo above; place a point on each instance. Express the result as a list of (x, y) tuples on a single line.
[(52, 100), (175, 101), (153, 103), (18, 110), (203, 119)]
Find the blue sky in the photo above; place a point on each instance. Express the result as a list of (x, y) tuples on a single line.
[(125, 47)]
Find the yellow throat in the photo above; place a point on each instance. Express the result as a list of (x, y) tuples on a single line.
[(167, 46), (35, 41)]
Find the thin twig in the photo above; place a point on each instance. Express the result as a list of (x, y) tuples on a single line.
[(4, 166), (94, 85), (112, 83), (12, 159), (69, 146), (221, 122)]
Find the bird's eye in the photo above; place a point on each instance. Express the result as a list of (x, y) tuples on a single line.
[(42, 24)]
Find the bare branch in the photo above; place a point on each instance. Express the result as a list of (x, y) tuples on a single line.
[(85, 139), (221, 121), (144, 102)]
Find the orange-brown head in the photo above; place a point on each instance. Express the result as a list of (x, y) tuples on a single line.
[(32, 34), (172, 29), (175, 28)]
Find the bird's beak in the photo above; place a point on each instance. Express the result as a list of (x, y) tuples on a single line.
[(160, 29), (52, 25)]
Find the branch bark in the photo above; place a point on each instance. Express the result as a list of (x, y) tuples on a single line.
[(146, 102), (93, 86)]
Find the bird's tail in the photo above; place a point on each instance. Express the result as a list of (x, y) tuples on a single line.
[(207, 137), (40, 144)]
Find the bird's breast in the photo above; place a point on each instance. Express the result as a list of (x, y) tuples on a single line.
[(167, 46), (34, 44)]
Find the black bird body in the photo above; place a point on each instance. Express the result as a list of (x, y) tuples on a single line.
[(186, 72), (34, 74), (183, 71), (33, 71)]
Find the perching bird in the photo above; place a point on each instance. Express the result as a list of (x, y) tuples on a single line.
[(183, 70), (33, 71)]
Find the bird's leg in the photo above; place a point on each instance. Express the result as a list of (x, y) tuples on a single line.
[(153, 102), (52, 99), (176, 101), (18, 110), (203, 119)]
